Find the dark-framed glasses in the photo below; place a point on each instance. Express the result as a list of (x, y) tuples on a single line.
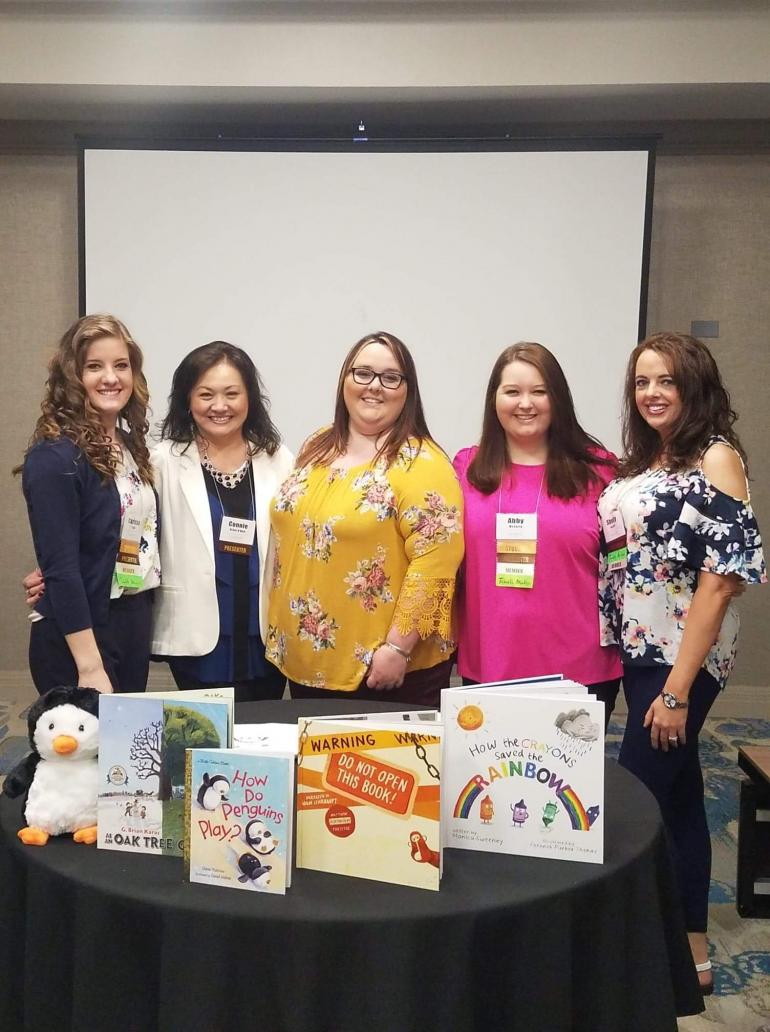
[(390, 379)]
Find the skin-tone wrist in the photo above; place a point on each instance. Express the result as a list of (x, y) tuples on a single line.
[(389, 667)]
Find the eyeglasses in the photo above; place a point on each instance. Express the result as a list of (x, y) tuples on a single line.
[(390, 379)]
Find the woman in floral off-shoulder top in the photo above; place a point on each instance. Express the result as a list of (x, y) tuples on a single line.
[(680, 538), (368, 533)]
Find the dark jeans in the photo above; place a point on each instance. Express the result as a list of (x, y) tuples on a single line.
[(124, 645), (676, 781), (271, 686), (419, 687), (604, 691)]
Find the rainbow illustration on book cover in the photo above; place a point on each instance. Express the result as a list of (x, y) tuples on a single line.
[(524, 773)]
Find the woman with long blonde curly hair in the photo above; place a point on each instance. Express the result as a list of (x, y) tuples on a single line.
[(93, 512)]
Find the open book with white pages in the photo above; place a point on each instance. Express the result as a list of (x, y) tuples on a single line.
[(523, 769), (368, 796)]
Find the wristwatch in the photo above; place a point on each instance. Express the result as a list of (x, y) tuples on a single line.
[(670, 700)]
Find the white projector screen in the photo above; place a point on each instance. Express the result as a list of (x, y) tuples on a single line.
[(294, 256)]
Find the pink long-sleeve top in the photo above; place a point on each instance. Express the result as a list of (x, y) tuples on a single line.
[(552, 627)]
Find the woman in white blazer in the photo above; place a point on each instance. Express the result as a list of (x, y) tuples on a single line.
[(219, 463)]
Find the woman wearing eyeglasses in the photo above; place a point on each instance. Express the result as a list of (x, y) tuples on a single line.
[(368, 535)]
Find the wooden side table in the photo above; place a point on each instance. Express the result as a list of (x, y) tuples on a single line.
[(753, 881)]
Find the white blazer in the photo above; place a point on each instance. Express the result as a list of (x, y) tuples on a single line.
[(185, 613)]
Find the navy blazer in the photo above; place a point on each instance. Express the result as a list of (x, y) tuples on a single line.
[(75, 521)]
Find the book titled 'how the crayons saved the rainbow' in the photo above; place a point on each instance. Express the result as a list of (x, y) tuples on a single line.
[(368, 801), (142, 743), (524, 770), (238, 818)]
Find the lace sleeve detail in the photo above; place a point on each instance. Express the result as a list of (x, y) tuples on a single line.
[(425, 606)]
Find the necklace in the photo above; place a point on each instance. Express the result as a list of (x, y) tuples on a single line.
[(228, 480)]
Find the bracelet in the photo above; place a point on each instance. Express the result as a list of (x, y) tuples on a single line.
[(397, 648)]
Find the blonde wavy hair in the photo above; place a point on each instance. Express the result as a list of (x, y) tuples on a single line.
[(67, 412)]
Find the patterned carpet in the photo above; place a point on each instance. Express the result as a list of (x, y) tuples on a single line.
[(740, 948)]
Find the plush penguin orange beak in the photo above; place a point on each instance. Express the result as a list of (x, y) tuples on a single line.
[(65, 744)]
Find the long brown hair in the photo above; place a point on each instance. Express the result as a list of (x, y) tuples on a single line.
[(706, 409), (326, 446), (572, 453), (67, 412)]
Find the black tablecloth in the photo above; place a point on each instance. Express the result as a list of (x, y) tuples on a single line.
[(96, 940)]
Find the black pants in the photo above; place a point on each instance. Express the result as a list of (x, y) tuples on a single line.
[(271, 686), (123, 643), (419, 687), (604, 691), (676, 781)]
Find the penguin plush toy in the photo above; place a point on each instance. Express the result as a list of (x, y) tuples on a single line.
[(60, 775)]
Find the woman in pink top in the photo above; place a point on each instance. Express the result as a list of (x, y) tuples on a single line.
[(519, 618)]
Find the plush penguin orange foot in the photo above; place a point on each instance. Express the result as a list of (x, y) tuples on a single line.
[(60, 775)]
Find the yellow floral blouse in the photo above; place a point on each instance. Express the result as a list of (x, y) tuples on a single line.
[(360, 550)]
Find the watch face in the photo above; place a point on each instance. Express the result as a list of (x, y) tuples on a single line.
[(669, 700)]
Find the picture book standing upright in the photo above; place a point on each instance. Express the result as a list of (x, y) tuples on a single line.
[(239, 808), (368, 798), (524, 770), (142, 743)]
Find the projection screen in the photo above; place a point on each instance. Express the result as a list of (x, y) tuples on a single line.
[(294, 255)]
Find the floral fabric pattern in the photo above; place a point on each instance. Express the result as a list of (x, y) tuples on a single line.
[(677, 524), (359, 551), (376, 493), (313, 625), (433, 523), (369, 582), (138, 500), (291, 490), (319, 538)]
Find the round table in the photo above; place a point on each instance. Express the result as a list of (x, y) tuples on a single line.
[(96, 940)]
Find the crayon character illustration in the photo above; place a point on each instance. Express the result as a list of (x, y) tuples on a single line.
[(486, 809), (520, 813), (549, 814), (592, 813), (421, 851)]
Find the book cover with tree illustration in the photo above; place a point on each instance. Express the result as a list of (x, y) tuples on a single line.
[(142, 744), (368, 800)]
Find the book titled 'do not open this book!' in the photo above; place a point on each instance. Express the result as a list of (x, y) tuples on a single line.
[(368, 800)]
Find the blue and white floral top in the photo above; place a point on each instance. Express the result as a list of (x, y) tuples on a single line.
[(677, 524)]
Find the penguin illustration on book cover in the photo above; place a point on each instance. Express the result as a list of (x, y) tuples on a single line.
[(60, 775)]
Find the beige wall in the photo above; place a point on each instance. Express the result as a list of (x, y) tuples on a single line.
[(709, 261), (452, 45)]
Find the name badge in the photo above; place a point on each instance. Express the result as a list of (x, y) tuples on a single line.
[(516, 535), (127, 565), (616, 542), (237, 535)]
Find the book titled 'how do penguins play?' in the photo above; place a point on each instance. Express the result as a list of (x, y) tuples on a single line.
[(238, 818)]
